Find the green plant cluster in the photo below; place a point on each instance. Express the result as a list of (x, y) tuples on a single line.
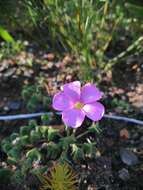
[(33, 96), (122, 104), (42, 144)]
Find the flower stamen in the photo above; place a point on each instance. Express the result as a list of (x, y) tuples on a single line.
[(79, 105)]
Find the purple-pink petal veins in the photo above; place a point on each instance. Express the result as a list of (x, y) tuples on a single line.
[(73, 117), (62, 102), (72, 89), (94, 111), (89, 94)]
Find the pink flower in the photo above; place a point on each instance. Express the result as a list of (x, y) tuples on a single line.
[(75, 103)]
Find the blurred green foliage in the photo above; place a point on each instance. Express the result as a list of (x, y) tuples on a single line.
[(5, 175), (10, 45), (85, 28), (6, 36), (34, 96)]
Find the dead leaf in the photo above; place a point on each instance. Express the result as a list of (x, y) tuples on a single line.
[(124, 134)]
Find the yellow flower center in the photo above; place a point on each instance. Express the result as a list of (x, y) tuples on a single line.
[(79, 105)]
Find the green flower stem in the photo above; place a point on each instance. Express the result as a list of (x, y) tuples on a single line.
[(74, 131), (81, 135), (67, 130), (113, 61)]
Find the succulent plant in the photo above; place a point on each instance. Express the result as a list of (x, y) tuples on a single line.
[(61, 177)]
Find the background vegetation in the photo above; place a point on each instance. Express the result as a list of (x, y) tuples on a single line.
[(87, 29)]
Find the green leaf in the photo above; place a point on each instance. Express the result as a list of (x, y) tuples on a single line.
[(135, 2), (26, 165), (11, 161), (88, 149), (16, 141), (6, 147), (65, 142), (14, 153), (33, 154), (25, 140), (40, 170), (45, 119), (13, 136), (5, 141), (94, 128), (27, 92), (31, 106), (25, 130), (6, 36), (44, 131), (53, 150), (52, 133), (46, 101), (35, 99), (77, 153), (5, 175), (32, 124), (135, 10), (34, 136)]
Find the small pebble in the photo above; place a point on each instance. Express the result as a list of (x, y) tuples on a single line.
[(128, 157), (124, 174)]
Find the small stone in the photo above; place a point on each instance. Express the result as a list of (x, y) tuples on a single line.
[(2, 68), (6, 108), (124, 174), (28, 73), (59, 64), (10, 72), (14, 105), (91, 187), (128, 157), (44, 145), (18, 71), (68, 77), (49, 56), (67, 59), (26, 43), (98, 153), (50, 65), (44, 67)]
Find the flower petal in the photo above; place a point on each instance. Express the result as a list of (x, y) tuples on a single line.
[(62, 102), (94, 111), (89, 94), (72, 89), (73, 117)]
